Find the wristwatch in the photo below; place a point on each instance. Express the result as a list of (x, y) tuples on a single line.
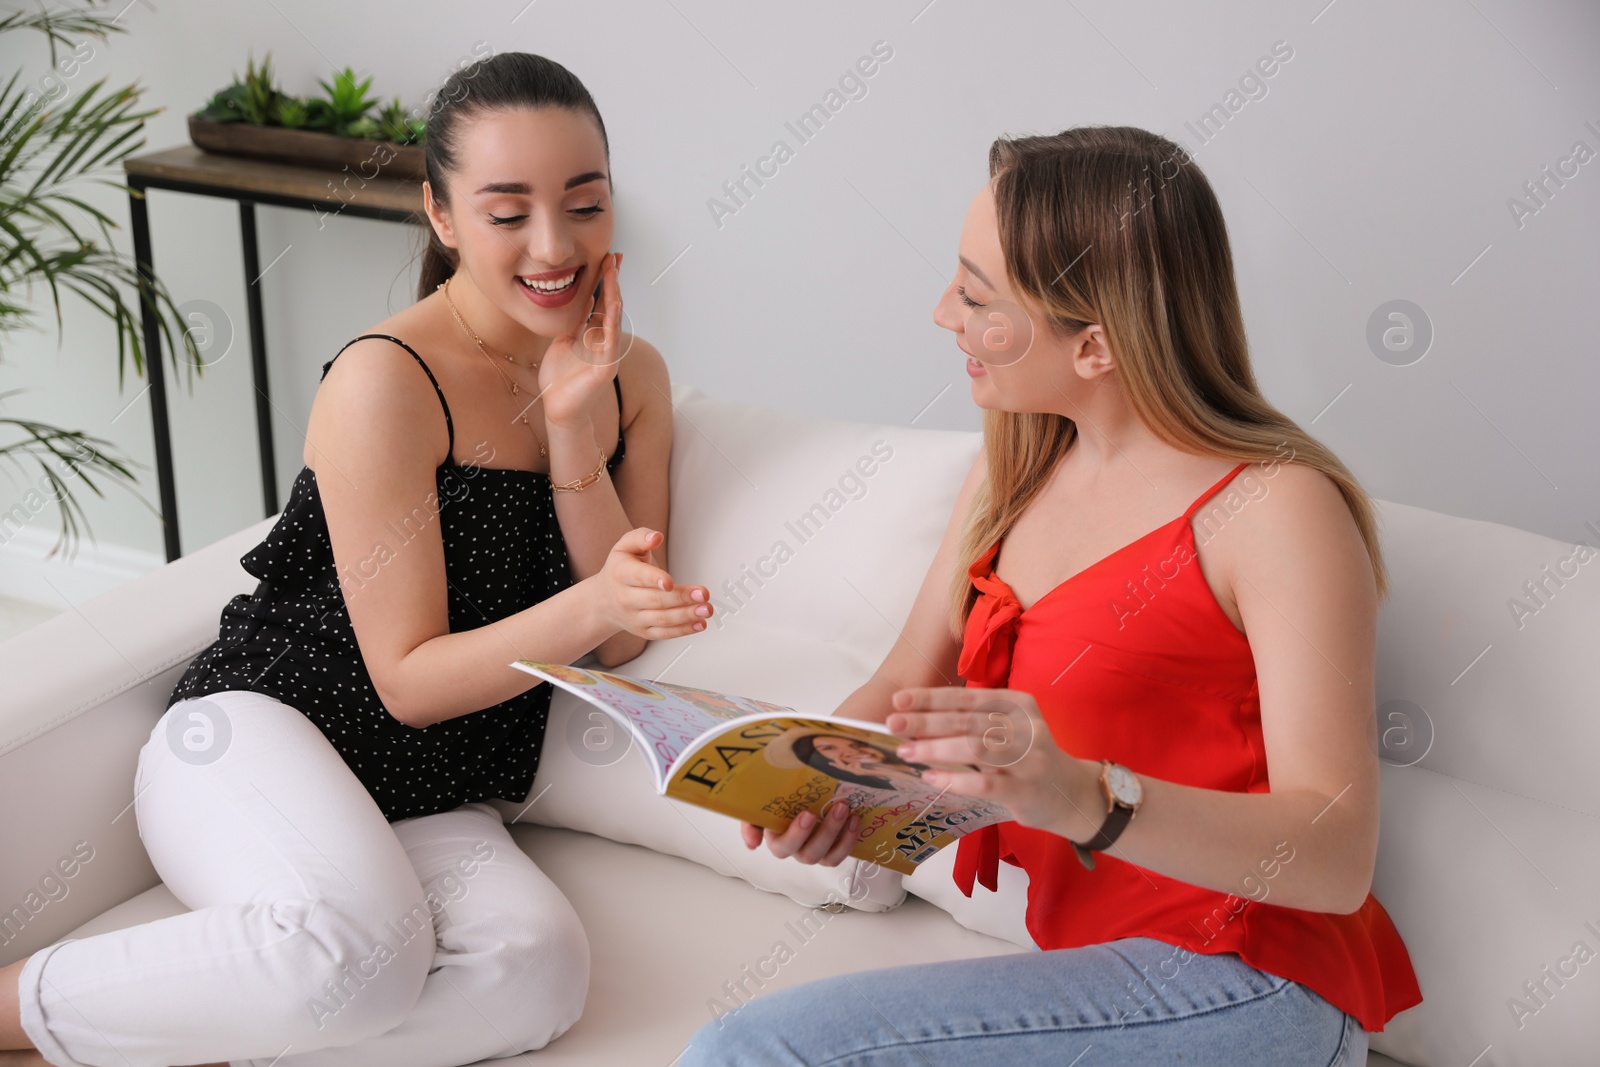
[(1124, 793)]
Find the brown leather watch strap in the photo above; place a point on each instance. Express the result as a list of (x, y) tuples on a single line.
[(1111, 829)]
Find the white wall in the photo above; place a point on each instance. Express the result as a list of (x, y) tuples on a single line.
[(1378, 166)]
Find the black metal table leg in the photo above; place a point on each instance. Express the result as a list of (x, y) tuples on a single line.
[(258, 357), (148, 321), (179, 170)]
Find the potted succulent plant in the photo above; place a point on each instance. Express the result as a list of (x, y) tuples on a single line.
[(343, 127)]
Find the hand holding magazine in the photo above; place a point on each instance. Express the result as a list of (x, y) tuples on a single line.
[(765, 763)]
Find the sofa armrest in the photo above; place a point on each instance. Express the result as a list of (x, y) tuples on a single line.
[(81, 694)]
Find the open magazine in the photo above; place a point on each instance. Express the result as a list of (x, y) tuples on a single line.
[(765, 763)]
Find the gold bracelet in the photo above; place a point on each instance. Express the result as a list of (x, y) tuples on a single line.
[(577, 485)]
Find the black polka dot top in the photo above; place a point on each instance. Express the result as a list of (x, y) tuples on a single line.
[(292, 638)]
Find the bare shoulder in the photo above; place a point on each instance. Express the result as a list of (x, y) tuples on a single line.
[(376, 396), (1299, 497), (1290, 517), (643, 373)]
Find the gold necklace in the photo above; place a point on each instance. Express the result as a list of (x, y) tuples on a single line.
[(444, 287)]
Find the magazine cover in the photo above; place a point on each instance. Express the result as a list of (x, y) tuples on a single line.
[(765, 763)]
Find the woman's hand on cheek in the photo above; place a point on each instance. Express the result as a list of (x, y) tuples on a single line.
[(578, 366), (1001, 736)]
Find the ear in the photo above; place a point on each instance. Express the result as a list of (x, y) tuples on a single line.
[(1091, 353), (438, 217)]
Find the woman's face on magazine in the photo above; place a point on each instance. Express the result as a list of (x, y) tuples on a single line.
[(531, 196), (849, 754)]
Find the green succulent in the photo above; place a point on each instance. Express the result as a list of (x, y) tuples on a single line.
[(319, 114), (259, 100), (344, 108), (289, 112), (365, 127), (226, 105), (396, 124), (348, 99)]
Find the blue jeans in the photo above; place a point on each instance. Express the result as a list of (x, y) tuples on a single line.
[(1131, 1001)]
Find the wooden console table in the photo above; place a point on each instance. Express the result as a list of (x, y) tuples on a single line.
[(187, 169)]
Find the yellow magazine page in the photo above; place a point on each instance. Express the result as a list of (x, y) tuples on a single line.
[(767, 772)]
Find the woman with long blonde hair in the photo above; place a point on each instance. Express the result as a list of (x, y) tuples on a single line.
[(1161, 594)]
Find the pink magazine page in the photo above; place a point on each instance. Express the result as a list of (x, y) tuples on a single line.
[(665, 718)]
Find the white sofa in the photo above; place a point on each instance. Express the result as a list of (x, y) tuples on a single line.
[(813, 535)]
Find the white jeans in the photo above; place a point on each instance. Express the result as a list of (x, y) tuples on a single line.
[(320, 934)]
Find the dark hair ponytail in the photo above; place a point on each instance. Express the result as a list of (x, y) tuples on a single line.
[(507, 79)]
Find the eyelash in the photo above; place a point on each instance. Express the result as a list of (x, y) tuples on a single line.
[(586, 212), (961, 291)]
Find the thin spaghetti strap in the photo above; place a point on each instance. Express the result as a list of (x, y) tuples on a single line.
[(449, 425), (1224, 480)]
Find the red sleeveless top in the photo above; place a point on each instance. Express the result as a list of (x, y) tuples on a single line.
[(1133, 660)]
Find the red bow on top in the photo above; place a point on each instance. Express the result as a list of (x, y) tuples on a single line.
[(986, 662)]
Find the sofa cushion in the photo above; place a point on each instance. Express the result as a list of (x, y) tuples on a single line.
[(1489, 856), (1000, 914), (813, 536)]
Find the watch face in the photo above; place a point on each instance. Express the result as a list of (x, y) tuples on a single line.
[(1124, 785)]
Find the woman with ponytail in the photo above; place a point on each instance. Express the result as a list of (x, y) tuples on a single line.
[(1161, 595), (317, 790)]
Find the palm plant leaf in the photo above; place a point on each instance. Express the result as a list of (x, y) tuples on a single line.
[(59, 454), (48, 158), (51, 147), (63, 27)]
